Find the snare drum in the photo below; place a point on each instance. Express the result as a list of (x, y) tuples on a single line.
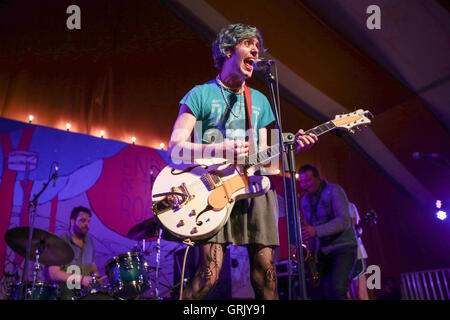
[(42, 291), (127, 274)]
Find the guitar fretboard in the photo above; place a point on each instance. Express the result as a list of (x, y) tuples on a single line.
[(274, 151)]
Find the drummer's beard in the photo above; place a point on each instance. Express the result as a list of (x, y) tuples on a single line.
[(80, 232)]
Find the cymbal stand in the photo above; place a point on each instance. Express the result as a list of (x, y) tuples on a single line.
[(158, 255), (32, 205), (37, 266)]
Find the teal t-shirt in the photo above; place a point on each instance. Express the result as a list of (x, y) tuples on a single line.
[(215, 122)]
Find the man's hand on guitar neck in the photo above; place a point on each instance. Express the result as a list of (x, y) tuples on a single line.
[(304, 141)]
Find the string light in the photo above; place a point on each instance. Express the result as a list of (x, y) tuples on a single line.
[(162, 145), (297, 176), (278, 171), (441, 215)]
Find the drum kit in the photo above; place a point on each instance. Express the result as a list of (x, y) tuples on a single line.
[(128, 273)]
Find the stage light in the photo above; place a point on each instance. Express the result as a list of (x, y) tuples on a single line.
[(68, 126), (162, 145), (441, 215), (133, 140), (278, 171), (297, 176), (438, 204), (30, 118), (102, 133)]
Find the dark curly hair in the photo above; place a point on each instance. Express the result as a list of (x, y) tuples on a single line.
[(229, 37)]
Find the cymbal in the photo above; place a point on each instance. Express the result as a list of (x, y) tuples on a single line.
[(149, 229), (146, 229), (54, 250)]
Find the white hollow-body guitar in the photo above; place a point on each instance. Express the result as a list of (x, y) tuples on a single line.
[(195, 200)]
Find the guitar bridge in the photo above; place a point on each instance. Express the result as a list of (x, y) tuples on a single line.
[(211, 181)]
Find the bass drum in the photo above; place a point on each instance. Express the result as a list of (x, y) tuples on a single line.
[(42, 291), (98, 296)]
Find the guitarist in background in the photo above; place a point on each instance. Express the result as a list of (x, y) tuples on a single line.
[(217, 114), (326, 212)]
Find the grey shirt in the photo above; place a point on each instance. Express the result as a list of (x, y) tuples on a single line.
[(328, 212), (83, 257)]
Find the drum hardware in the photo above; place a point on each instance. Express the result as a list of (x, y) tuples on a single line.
[(158, 253), (37, 265), (170, 288), (41, 291), (32, 205), (152, 230), (45, 248)]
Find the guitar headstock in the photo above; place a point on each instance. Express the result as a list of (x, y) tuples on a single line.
[(358, 119)]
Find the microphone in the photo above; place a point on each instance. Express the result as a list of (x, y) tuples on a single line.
[(260, 64), (419, 155), (55, 175)]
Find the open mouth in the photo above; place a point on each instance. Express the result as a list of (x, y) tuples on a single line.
[(248, 63)]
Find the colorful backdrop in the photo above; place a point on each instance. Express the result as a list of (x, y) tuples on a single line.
[(111, 178)]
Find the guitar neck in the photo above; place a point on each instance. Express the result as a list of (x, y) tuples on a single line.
[(274, 151), (322, 129)]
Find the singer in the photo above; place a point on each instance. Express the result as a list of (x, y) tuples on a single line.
[(220, 112)]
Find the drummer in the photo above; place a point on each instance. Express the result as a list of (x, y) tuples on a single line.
[(84, 256)]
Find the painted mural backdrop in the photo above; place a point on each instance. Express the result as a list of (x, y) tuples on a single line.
[(111, 178)]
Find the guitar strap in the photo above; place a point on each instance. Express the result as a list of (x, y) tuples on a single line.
[(248, 103)]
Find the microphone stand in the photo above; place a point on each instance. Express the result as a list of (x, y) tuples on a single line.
[(32, 205), (286, 143)]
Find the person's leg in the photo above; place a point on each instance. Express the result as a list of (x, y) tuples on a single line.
[(363, 294), (342, 261), (262, 272), (208, 270)]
